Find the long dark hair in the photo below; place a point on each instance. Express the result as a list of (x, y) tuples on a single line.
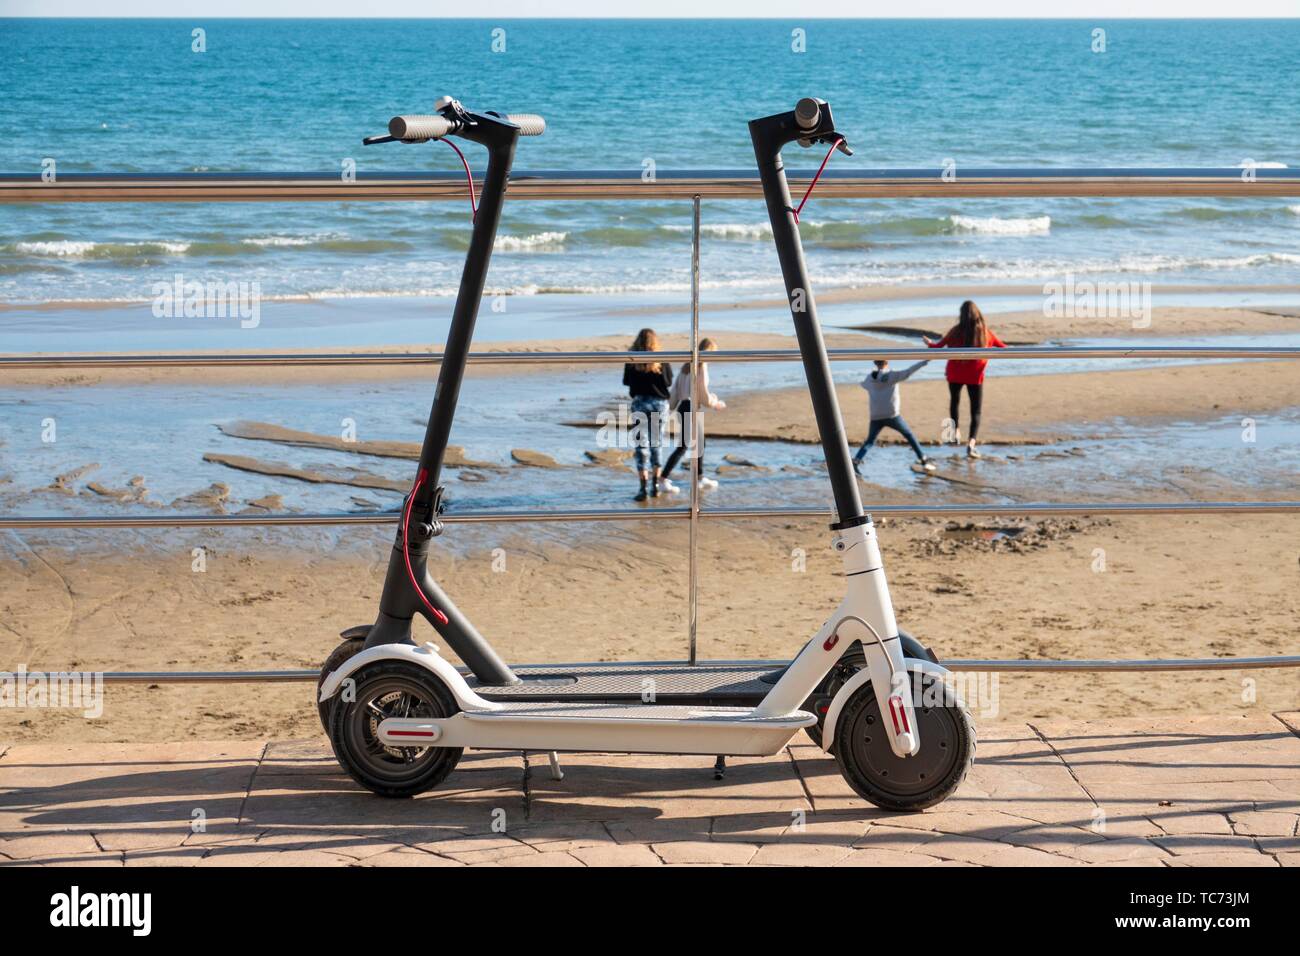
[(647, 341), (970, 332)]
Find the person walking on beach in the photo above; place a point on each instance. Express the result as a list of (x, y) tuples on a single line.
[(679, 400), (647, 385), (970, 332), (886, 406)]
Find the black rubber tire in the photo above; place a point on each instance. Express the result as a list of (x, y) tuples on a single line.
[(392, 771), (905, 784), (332, 663)]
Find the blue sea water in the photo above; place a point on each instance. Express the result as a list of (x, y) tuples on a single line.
[(131, 95)]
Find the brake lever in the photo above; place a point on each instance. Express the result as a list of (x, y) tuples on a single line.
[(372, 140)]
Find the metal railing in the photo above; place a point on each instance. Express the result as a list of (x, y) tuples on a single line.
[(548, 184), (695, 186)]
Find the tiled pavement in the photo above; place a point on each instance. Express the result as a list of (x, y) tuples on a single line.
[(1170, 792)]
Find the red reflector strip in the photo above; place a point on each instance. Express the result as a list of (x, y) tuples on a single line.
[(897, 713), (409, 733)]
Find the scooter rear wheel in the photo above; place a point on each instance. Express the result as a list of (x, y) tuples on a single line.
[(392, 689), (905, 784)]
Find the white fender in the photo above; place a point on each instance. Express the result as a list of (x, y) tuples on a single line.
[(914, 665), (422, 655)]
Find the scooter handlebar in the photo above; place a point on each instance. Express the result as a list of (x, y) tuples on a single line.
[(424, 127), (419, 129), (530, 124)]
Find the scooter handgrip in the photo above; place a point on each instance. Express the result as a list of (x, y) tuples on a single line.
[(530, 124), (419, 129), (807, 113)]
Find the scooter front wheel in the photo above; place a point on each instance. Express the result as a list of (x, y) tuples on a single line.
[(905, 784), (391, 689)]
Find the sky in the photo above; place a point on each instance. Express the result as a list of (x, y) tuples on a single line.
[(780, 9)]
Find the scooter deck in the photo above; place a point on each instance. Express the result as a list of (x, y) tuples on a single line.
[(705, 684)]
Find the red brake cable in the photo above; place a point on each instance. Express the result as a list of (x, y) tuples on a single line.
[(469, 177), (813, 184), (406, 547)]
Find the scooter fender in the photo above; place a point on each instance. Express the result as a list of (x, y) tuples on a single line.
[(913, 666), (422, 655)]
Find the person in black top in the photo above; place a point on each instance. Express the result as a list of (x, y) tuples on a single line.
[(647, 385)]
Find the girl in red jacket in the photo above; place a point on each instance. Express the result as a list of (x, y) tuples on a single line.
[(970, 332)]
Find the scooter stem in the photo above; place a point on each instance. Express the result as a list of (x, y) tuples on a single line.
[(399, 602), (500, 139), (769, 135)]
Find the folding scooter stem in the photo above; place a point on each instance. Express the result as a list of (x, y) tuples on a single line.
[(399, 602), (769, 135)]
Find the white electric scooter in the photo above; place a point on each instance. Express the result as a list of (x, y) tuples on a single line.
[(399, 715)]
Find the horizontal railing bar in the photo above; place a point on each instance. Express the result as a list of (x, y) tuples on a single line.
[(609, 358), (965, 665), (648, 514), (843, 183)]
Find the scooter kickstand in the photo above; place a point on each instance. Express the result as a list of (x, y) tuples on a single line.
[(556, 772), (720, 767)]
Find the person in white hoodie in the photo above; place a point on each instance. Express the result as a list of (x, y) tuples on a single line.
[(679, 404), (882, 389)]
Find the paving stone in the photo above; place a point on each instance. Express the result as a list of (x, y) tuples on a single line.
[(795, 853), (704, 851), (1204, 843), (165, 856), (873, 856), (1225, 858), (1123, 850), (481, 849), (76, 860), (1192, 823), (885, 836), (1052, 838), (296, 757), (405, 856), (630, 855), (135, 839), (1270, 844), (984, 824), (991, 852), (563, 836), (1263, 822), (550, 858), (44, 845)]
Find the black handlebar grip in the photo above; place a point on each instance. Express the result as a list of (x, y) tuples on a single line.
[(419, 129), (807, 113), (530, 124)]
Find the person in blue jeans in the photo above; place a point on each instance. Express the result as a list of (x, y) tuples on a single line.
[(647, 385), (882, 390)]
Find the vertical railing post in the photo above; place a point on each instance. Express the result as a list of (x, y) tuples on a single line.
[(692, 589)]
